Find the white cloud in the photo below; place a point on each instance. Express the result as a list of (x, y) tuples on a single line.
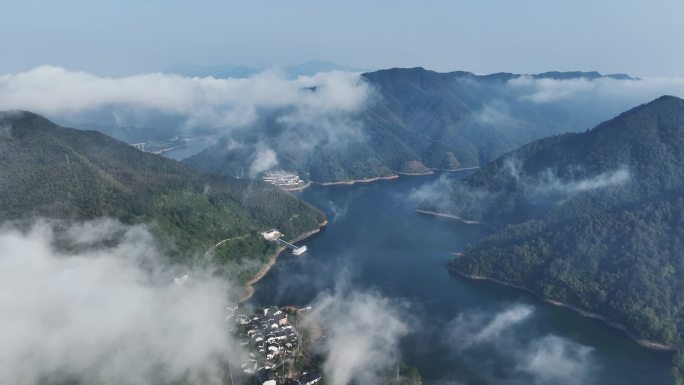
[(262, 160), (598, 90), (503, 321), (556, 360), (436, 192), (548, 183), (519, 357), (363, 333), (200, 101), (439, 196), (542, 189), (339, 211), (494, 113), (551, 90), (106, 314), (474, 328)]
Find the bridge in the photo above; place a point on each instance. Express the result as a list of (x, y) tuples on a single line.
[(275, 235), (295, 250)]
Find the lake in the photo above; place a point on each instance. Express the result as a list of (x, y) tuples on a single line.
[(463, 331)]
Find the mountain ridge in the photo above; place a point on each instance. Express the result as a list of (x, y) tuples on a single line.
[(48, 171), (418, 120), (573, 233)]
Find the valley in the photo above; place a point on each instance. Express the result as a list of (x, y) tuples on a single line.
[(342, 193)]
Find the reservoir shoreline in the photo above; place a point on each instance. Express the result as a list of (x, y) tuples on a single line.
[(642, 342), (354, 181), (248, 288), (300, 188), (387, 244), (387, 177), (653, 345)]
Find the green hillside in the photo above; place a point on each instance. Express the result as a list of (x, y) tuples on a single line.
[(594, 220), (417, 120), (67, 174)]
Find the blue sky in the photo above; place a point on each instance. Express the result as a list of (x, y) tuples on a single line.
[(643, 38)]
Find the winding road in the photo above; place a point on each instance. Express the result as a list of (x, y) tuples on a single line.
[(223, 241)]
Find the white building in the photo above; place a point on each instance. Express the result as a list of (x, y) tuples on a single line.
[(271, 235)]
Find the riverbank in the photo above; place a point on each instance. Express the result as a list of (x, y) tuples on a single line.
[(451, 216), (168, 149), (428, 172), (248, 289), (378, 178), (642, 342), (456, 169), (298, 188), (354, 181)]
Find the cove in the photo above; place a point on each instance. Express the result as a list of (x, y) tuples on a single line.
[(376, 241)]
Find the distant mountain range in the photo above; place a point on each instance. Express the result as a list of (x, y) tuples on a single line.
[(133, 134), (594, 220), (420, 120), (307, 68), (312, 67), (47, 171), (558, 75)]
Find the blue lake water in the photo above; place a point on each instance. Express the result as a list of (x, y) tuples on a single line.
[(193, 147), (377, 241)]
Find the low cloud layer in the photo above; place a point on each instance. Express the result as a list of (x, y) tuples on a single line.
[(107, 313), (552, 184), (524, 358), (206, 102), (433, 193), (363, 334), (555, 360), (597, 90), (197, 101), (263, 160), (447, 195), (547, 183), (475, 328), (494, 113), (542, 190)]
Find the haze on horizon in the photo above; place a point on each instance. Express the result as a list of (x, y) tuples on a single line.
[(528, 36)]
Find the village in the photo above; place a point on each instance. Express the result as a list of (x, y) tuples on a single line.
[(284, 179), (274, 346)]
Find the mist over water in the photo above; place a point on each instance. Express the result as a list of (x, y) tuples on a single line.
[(454, 330)]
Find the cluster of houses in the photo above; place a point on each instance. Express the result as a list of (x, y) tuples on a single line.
[(283, 179), (272, 343)]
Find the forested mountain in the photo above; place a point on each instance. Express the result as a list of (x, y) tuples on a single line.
[(68, 174), (417, 120), (593, 219)]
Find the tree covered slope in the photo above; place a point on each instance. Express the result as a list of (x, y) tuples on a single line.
[(594, 219), (417, 120), (67, 174)]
